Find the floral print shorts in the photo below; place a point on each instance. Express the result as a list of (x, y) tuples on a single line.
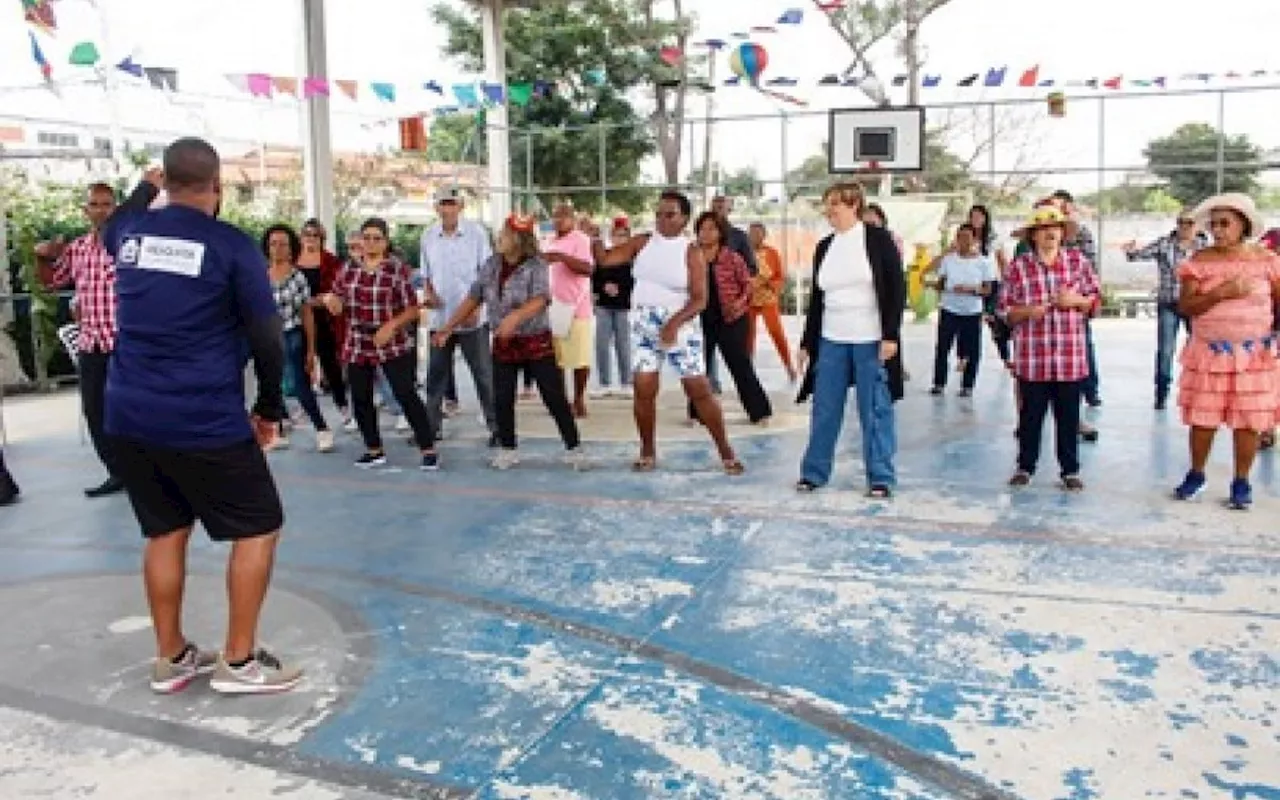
[(647, 352)]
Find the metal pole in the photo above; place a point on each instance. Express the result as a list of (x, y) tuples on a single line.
[(991, 148), (317, 149), (1222, 141), (1102, 175), (528, 172), (604, 178), (785, 200), (495, 69), (707, 188), (111, 84)]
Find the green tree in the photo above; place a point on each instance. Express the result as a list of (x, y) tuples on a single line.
[(561, 43), (1187, 160), (744, 183), (455, 138)]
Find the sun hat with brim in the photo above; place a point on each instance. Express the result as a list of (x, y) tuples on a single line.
[(1238, 202), (1042, 216)]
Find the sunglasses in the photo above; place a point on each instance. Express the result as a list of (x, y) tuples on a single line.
[(1224, 222)]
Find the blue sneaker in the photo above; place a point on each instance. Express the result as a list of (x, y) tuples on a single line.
[(430, 462), (1241, 495), (1191, 486)]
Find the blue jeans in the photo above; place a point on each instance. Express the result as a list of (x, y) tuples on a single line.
[(1091, 386), (295, 349), (1167, 321), (613, 337), (838, 366), (389, 401)]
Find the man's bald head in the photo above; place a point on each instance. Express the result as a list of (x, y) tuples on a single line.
[(191, 165)]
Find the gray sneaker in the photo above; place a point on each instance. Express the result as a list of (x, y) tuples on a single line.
[(169, 676), (262, 674)]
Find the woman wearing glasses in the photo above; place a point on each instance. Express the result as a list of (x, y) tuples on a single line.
[(1229, 372), (377, 296), (670, 291)]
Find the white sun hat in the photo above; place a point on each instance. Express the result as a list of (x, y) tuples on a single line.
[(1238, 202)]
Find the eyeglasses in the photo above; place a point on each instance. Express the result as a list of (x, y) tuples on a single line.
[(373, 237), (312, 235), (1220, 223)]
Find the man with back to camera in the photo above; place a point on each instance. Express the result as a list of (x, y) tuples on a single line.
[(194, 304)]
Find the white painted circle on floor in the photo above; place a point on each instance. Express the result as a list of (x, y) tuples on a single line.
[(130, 625)]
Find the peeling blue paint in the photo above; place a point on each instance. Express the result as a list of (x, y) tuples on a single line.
[(1243, 791), (1036, 644), (1236, 741), (1134, 665), (1128, 691), (1078, 781)]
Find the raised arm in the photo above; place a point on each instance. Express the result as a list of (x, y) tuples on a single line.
[(619, 255)]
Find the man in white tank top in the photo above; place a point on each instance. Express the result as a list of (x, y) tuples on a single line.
[(670, 291)]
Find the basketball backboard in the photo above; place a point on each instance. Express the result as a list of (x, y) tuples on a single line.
[(876, 140)]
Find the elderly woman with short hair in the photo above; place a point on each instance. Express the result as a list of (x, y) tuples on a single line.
[(514, 285), (851, 336)]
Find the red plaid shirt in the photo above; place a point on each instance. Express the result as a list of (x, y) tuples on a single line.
[(1053, 348), (86, 264), (371, 298)]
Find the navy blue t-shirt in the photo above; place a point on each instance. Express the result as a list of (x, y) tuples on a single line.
[(188, 285)]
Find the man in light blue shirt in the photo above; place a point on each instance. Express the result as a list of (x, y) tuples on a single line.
[(965, 277), (453, 251)]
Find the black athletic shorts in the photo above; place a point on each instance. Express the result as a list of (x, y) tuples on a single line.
[(229, 490)]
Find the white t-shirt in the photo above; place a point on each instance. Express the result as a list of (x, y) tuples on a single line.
[(958, 270), (851, 314)]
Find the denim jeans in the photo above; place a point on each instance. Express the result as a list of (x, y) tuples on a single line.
[(295, 350), (839, 365), (475, 351), (1167, 321), (613, 333), (389, 401), (1091, 386)]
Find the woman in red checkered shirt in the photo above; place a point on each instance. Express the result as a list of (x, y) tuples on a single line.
[(1049, 293), (377, 296), (725, 319)]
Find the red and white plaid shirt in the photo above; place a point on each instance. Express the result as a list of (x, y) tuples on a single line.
[(371, 298), (1053, 348), (86, 264)]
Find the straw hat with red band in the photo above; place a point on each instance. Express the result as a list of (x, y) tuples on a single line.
[(521, 223), (622, 223)]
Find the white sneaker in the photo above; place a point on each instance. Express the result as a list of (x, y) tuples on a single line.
[(261, 674), (402, 424), (576, 458), (350, 425), (505, 459), (625, 391), (324, 441), (601, 393), (280, 442)]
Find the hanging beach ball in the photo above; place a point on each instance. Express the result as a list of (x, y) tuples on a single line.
[(748, 61)]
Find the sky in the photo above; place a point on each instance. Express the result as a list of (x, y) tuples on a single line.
[(396, 41)]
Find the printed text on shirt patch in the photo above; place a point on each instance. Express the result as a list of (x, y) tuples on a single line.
[(174, 256)]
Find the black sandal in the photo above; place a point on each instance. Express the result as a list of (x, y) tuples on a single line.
[(806, 486), (880, 493)]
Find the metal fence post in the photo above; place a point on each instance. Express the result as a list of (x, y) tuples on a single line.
[(1102, 179), (528, 173), (604, 178), (1222, 141), (785, 200)]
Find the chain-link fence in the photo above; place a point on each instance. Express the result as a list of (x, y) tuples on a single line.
[(1130, 159)]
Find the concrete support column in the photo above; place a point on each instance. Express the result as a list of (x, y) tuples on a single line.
[(317, 148), (499, 135)]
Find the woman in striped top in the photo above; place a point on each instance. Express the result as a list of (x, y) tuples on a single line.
[(293, 295)]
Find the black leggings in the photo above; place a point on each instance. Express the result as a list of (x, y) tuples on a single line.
[(731, 340), (550, 380), (327, 354), (400, 372)]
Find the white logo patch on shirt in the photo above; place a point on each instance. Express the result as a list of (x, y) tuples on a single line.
[(174, 256), (129, 251)]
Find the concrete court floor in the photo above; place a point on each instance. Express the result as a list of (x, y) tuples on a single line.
[(554, 636)]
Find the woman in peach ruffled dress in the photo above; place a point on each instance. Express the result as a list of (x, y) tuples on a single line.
[(1230, 376)]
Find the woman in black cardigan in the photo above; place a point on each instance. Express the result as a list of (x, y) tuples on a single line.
[(851, 337)]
